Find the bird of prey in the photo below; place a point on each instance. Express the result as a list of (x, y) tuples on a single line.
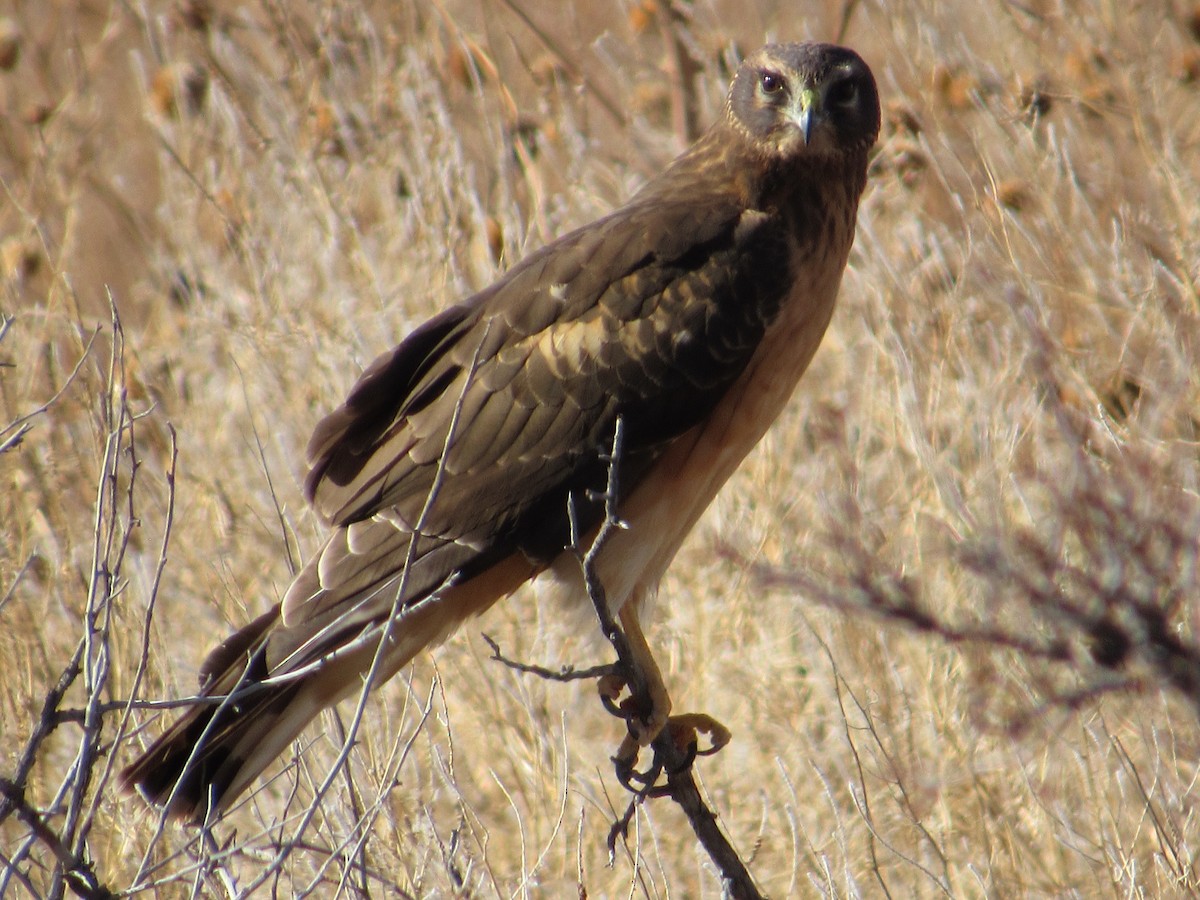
[(689, 315)]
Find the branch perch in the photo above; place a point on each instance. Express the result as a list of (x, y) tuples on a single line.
[(671, 761)]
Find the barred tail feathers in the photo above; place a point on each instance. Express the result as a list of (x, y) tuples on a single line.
[(265, 683)]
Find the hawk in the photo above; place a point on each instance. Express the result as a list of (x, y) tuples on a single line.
[(689, 315)]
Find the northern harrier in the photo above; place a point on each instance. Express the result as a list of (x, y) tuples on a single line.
[(689, 314)]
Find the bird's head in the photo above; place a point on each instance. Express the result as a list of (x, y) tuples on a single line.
[(805, 101)]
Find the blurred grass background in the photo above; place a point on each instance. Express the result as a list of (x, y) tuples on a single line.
[(948, 609)]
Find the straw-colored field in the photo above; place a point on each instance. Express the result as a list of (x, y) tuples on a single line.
[(948, 608)]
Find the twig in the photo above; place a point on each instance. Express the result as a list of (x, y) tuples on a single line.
[(20, 425), (670, 759), (685, 71), (566, 673), (116, 517), (75, 801), (47, 721), (567, 60), (848, 8), (77, 871)]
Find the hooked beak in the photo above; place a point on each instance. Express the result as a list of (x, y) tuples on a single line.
[(803, 112)]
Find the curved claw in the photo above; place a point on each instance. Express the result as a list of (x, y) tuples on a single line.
[(690, 752), (644, 728), (687, 728), (624, 760), (684, 732), (638, 781), (609, 687), (626, 773)]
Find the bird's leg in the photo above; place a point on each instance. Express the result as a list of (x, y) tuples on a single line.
[(649, 703), (647, 711)]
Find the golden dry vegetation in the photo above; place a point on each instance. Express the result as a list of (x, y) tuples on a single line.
[(948, 609)]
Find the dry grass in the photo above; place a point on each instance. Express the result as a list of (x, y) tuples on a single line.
[(948, 609)]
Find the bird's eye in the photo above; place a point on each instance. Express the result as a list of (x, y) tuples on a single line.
[(770, 83), (843, 93)]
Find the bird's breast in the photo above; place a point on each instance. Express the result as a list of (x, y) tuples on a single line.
[(674, 494)]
